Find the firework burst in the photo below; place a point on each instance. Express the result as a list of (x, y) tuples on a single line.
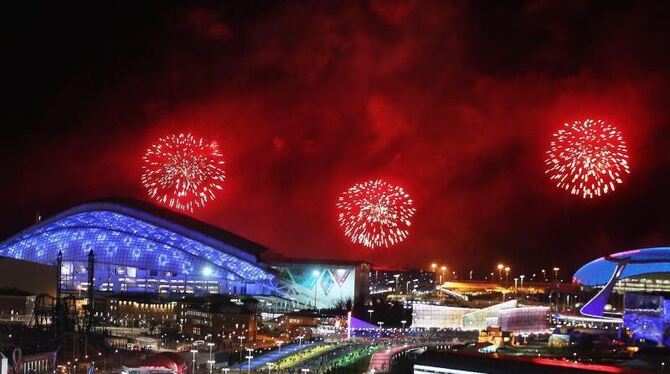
[(375, 213), (587, 158), (183, 171)]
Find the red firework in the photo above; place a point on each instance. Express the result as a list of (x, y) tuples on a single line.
[(587, 158), (182, 171), (375, 213)]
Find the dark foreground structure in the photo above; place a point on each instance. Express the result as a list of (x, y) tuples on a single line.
[(464, 363)]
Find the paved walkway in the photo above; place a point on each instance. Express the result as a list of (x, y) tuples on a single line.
[(380, 362), (274, 356)]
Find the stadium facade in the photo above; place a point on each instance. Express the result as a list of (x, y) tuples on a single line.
[(141, 248), (643, 277), (510, 316), (138, 247)]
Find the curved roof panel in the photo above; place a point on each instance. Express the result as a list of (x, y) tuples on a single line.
[(638, 262), (120, 233)]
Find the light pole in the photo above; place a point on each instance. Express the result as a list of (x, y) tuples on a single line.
[(300, 338), (380, 323), (433, 267), (515, 285), (544, 275), (500, 269), (241, 346), (403, 323), (522, 276), (442, 270), (279, 342), (194, 351), (396, 276), (211, 360), (370, 312), (315, 274), (507, 274), (556, 274), (249, 357)]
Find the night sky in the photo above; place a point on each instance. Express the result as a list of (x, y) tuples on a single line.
[(455, 100)]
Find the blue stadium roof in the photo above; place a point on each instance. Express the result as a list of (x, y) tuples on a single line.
[(133, 233), (638, 262)]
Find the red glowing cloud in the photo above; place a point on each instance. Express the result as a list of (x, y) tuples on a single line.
[(454, 101)]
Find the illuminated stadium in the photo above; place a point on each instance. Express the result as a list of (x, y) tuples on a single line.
[(643, 276), (138, 247), (641, 270)]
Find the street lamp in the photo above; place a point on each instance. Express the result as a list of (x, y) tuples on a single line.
[(300, 338), (249, 357), (194, 351), (515, 285), (556, 274), (544, 275), (522, 276), (403, 323), (380, 323), (500, 269), (280, 342), (433, 267), (442, 269), (370, 312), (396, 276), (241, 346), (210, 361), (507, 274)]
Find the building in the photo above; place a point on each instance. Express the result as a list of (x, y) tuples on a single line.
[(229, 319), (321, 283), (19, 294), (127, 310), (438, 316), (42, 279), (138, 247), (642, 276), (401, 281), (16, 306), (509, 316), (527, 320), (480, 319)]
